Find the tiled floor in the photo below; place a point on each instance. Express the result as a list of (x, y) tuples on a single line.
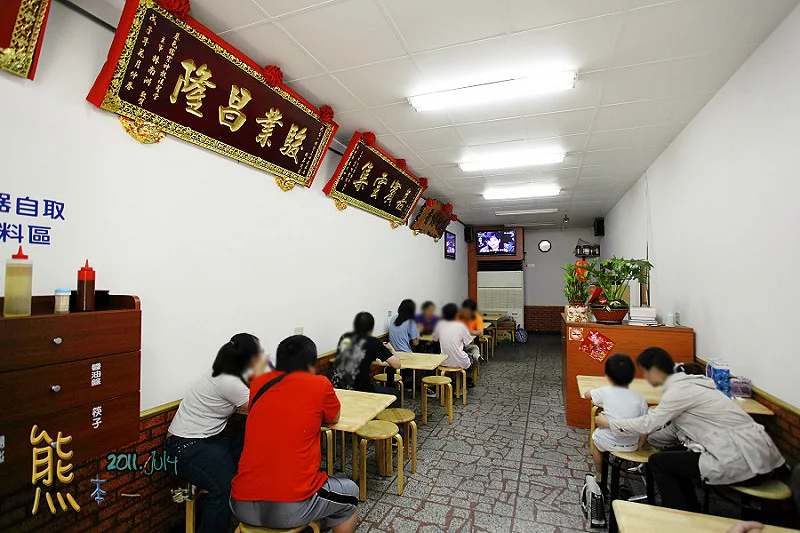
[(509, 463)]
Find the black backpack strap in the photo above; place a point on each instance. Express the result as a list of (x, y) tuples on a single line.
[(265, 388)]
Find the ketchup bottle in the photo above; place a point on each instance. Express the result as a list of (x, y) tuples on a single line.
[(86, 288)]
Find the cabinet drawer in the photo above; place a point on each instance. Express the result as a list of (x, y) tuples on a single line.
[(49, 339), (53, 388), (118, 428)]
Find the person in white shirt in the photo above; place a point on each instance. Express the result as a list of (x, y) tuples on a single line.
[(455, 341), (207, 457), (618, 402)]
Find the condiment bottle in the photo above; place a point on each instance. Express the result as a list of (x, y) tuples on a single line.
[(86, 288), (19, 285)]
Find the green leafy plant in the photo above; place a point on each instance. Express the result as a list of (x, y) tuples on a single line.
[(615, 275), (576, 283)]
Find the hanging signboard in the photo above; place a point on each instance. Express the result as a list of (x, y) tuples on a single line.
[(22, 25), (168, 73), (372, 180), (433, 219)]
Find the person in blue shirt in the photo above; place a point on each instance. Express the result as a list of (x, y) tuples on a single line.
[(427, 319), (403, 331)]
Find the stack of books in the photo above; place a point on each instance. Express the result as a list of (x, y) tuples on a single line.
[(642, 316)]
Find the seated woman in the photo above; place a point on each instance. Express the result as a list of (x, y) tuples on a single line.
[(722, 445), (427, 319), (279, 484), (207, 457), (354, 356), (403, 331)]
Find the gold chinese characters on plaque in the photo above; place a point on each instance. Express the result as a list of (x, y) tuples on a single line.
[(180, 78), (372, 180)]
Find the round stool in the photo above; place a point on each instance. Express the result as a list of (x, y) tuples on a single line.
[(461, 377), (398, 379), (406, 418), (382, 433), (447, 395), (244, 528), (485, 344)]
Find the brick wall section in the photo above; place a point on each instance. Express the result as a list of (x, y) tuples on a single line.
[(784, 428), (543, 318), (153, 512)]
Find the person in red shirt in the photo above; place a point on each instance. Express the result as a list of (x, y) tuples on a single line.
[(279, 483)]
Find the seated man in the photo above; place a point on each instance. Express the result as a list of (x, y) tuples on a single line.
[(456, 341), (279, 484), (471, 318)]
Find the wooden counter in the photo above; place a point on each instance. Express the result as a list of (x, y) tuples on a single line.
[(631, 340)]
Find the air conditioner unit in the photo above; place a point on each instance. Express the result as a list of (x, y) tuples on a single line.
[(502, 292)]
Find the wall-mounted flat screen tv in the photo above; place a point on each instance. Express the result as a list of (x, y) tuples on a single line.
[(497, 242)]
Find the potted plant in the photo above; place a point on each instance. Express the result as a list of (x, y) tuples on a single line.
[(614, 276), (576, 290)]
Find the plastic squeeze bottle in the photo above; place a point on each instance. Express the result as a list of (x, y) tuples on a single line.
[(86, 288), (19, 285)]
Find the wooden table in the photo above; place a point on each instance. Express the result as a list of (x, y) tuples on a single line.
[(653, 394), (418, 361), (640, 517)]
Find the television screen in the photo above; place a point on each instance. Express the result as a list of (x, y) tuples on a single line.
[(449, 245), (497, 242)]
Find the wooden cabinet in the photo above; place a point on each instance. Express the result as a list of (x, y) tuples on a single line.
[(630, 340), (77, 374)]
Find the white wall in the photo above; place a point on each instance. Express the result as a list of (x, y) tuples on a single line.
[(212, 247), (723, 209), (544, 277)]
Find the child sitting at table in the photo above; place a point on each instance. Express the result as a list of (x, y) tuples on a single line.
[(619, 402)]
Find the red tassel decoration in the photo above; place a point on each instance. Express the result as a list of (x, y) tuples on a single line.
[(423, 181), (453, 218), (326, 114), (176, 8), (429, 202), (448, 208), (273, 75), (401, 163), (368, 138)]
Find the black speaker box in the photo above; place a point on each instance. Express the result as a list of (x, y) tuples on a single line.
[(469, 233), (599, 227)]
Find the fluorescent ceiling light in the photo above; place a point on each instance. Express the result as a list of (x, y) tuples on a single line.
[(536, 225), (514, 159), (533, 190), (492, 92), (527, 212)]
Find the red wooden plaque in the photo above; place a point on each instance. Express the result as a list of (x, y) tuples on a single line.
[(22, 24), (371, 179), (433, 219), (178, 76)]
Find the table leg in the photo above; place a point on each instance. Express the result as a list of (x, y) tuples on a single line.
[(414, 383), (399, 440), (362, 483), (423, 391), (355, 457)]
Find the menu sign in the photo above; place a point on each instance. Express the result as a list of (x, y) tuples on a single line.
[(371, 179), (433, 219), (177, 75), (22, 24)]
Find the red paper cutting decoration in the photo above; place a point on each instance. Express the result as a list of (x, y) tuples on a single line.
[(596, 345), (368, 138), (453, 218), (423, 182), (273, 75), (429, 202), (401, 163), (581, 273), (448, 208), (326, 114), (177, 8)]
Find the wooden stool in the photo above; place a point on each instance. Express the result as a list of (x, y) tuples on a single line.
[(382, 433), (771, 490), (463, 379), (447, 395), (244, 528), (191, 503), (329, 448), (485, 344), (406, 418), (398, 379)]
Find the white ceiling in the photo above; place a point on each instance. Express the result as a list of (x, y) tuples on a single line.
[(645, 68)]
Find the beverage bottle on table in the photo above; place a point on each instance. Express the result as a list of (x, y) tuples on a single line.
[(86, 277), (19, 285)]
